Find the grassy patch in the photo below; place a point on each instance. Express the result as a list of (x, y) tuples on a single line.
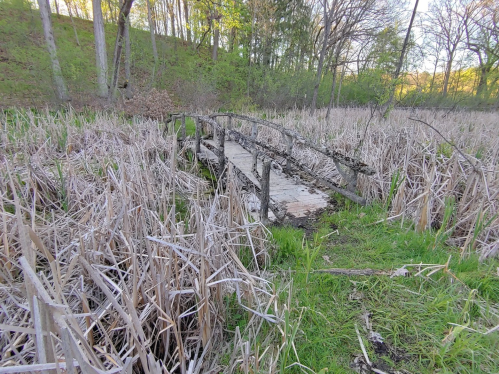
[(412, 315), (190, 127)]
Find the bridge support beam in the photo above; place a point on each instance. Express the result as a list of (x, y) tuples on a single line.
[(221, 148), (289, 150), (182, 127), (265, 192), (198, 137)]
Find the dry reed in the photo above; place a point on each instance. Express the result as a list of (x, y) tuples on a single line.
[(430, 168), (115, 257)]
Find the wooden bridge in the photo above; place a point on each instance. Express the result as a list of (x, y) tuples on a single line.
[(269, 171)]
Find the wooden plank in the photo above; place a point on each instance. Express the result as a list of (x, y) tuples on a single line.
[(296, 198)]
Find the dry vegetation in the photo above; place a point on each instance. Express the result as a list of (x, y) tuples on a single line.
[(115, 257), (429, 169)]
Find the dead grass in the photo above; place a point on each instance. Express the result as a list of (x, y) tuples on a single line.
[(115, 258), (430, 169)]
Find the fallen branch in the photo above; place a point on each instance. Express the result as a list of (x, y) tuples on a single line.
[(341, 271)]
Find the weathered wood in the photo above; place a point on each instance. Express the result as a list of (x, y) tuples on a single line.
[(182, 127), (198, 137), (351, 162), (254, 169), (221, 149), (349, 176), (254, 130), (289, 151), (265, 194), (247, 143), (229, 123), (248, 183)]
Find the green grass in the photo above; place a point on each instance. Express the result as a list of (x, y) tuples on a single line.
[(412, 314), (190, 127)]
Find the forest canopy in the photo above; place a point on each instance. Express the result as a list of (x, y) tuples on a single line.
[(265, 53)]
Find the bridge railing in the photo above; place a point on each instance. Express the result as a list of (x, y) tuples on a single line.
[(348, 167)]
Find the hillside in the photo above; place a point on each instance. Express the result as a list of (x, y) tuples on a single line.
[(25, 73)]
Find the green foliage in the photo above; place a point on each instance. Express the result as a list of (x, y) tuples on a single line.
[(414, 315)]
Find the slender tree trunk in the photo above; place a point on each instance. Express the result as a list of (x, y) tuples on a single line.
[(333, 87), (482, 82), (60, 85), (327, 29), (118, 46), (186, 18), (164, 9), (100, 49), (342, 76), (128, 50), (76, 11), (181, 29), (56, 3), (216, 36), (388, 105), (152, 29), (70, 12), (249, 53), (448, 70), (433, 76), (172, 17)]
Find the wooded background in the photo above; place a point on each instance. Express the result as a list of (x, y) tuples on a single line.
[(230, 54)]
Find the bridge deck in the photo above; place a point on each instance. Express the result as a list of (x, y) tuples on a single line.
[(298, 199)]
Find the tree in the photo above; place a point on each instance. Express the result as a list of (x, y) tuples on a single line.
[(118, 46), (60, 85), (100, 49), (388, 105), (447, 28), (481, 20), (327, 18), (152, 30)]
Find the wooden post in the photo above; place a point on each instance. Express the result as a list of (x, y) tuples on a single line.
[(254, 130), (229, 122), (265, 194), (289, 150), (198, 137), (254, 170), (182, 131), (221, 149)]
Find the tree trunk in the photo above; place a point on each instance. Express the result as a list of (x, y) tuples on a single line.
[(434, 74), (128, 88), (482, 83), (100, 49), (118, 46), (152, 29), (327, 29), (164, 9), (448, 70), (179, 11), (172, 17), (216, 37), (333, 87), (60, 85), (388, 105), (186, 18), (56, 7), (68, 5), (342, 76), (336, 59)]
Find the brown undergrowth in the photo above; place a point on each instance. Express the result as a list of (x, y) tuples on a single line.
[(115, 256)]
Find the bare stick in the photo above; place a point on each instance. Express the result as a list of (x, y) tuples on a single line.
[(444, 138)]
